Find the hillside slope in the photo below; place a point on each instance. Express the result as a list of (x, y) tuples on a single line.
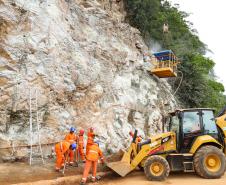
[(81, 58)]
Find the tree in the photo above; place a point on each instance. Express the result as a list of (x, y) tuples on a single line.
[(199, 87)]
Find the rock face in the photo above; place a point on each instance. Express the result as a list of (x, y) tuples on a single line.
[(79, 58)]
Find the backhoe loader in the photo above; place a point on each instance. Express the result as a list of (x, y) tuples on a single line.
[(194, 142)]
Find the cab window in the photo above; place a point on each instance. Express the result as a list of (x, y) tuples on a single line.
[(209, 122), (191, 122), (174, 124)]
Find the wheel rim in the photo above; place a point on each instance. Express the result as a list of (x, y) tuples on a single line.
[(156, 168), (212, 163)]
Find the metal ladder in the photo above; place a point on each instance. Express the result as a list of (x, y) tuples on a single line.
[(33, 109)]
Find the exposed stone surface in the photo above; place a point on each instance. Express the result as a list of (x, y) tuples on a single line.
[(80, 57)]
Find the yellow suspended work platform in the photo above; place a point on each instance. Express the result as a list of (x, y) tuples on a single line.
[(165, 64)]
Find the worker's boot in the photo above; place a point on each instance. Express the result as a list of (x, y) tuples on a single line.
[(93, 179), (82, 183), (76, 164)]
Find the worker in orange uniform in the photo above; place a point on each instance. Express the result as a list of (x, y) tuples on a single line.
[(138, 139), (91, 161), (81, 145), (90, 139), (71, 137), (62, 150)]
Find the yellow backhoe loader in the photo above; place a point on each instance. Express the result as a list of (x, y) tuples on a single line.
[(194, 142)]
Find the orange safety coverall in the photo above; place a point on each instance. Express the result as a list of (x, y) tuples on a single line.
[(91, 161), (81, 147), (72, 138), (90, 140), (60, 149)]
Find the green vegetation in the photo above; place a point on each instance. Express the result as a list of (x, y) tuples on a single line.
[(199, 87)]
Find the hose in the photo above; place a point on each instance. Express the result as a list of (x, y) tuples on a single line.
[(181, 79)]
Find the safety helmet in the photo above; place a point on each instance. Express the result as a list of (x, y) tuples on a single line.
[(72, 129), (81, 132), (73, 146)]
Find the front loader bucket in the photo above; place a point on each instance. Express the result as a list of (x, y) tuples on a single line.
[(122, 167)]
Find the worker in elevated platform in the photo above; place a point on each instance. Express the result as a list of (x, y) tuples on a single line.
[(71, 137), (63, 150)]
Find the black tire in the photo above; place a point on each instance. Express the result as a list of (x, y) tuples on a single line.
[(141, 165), (202, 165), (156, 176)]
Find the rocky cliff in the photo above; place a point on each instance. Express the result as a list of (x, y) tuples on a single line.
[(79, 58)]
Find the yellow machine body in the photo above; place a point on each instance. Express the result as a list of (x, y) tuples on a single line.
[(164, 72), (221, 123), (166, 146), (164, 142), (205, 139), (165, 64)]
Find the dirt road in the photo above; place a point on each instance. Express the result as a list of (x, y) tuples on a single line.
[(138, 178), (12, 173), (45, 175)]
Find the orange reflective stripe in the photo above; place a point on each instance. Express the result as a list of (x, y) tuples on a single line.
[(93, 151)]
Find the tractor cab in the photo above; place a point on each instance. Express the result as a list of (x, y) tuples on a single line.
[(188, 124), (191, 144), (165, 64)]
